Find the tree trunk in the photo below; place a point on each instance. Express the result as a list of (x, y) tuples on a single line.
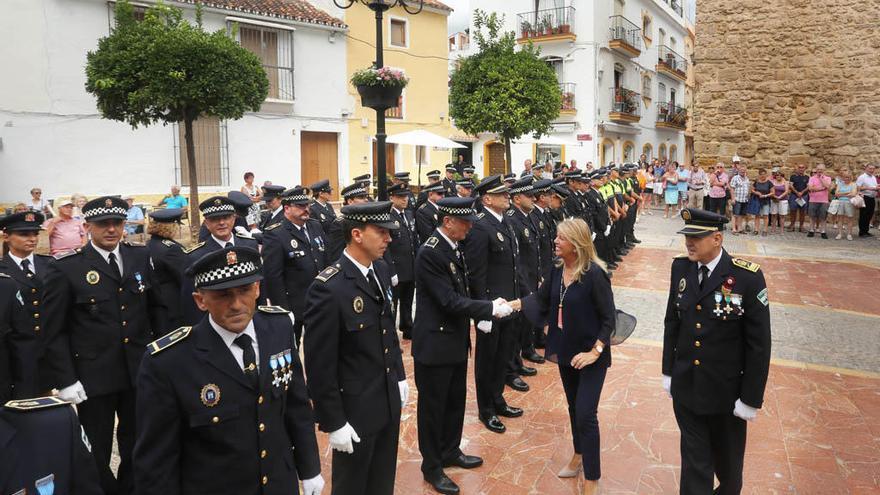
[(194, 221), (508, 154)]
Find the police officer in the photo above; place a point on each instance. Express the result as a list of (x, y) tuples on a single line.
[(293, 253), (403, 178), (168, 260), (353, 359), (274, 212), (353, 194), (716, 354), (448, 182), (222, 405), (546, 226), (509, 179), (402, 255), (428, 216), (364, 181), (441, 342), (101, 307), (433, 178), (556, 202), (493, 258), (600, 220), (19, 347), (321, 209), (467, 173), (573, 204), (464, 188), (44, 450), (241, 204), (219, 215)]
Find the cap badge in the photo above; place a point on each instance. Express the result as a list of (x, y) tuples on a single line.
[(29, 217), (108, 203), (231, 258), (217, 202), (358, 304), (92, 277), (294, 244), (686, 215), (210, 395)]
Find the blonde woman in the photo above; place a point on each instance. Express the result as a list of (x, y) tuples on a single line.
[(578, 299)]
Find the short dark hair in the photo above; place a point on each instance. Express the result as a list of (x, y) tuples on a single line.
[(762, 170), (348, 225), (248, 175)]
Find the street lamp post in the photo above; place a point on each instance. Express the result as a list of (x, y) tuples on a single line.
[(379, 7)]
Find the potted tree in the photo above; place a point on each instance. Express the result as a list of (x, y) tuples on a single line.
[(380, 88), (526, 28)]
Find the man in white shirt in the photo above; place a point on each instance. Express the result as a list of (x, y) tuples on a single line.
[(867, 184)]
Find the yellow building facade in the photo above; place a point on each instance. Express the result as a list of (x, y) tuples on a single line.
[(416, 44)]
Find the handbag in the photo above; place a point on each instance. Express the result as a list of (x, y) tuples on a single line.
[(624, 325), (857, 201), (834, 207), (754, 206)]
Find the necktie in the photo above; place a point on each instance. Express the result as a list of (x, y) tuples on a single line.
[(250, 359), (704, 274), (227, 245), (114, 266), (305, 232), (26, 267), (374, 284)]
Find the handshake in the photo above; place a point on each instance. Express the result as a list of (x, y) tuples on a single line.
[(500, 309)]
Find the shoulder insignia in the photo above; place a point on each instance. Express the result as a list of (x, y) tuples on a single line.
[(276, 310), (168, 242), (193, 247), (327, 274), (3, 275), (480, 215), (61, 256), (273, 226), (746, 264), (37, 403), (510, 212), (431, 242), (168, 340)]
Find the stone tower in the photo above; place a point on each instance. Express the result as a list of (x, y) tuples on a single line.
[(788, 81)]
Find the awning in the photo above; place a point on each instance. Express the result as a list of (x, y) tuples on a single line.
[(422, 138)]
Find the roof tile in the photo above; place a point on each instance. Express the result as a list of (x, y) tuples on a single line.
[(295, 10)]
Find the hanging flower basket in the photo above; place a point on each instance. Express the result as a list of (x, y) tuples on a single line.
[(380, 89)]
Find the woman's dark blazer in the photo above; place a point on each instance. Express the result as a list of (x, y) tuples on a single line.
[(588, 314)]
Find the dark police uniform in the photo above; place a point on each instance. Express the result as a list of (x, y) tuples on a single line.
[(97, 323), (441, 342), (716, 348), (19, 347), (44, 450), (427, 219), (354, 363), (434, 177), (335, 238), (323, 213), (448, 184), (401, 253), (169, 263), (208, 423)]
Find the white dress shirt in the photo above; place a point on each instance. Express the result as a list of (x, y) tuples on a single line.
[(30, 258), (710, 265), (223, 243), (106, 255), (492, 212), (365, 270), (229, 339)]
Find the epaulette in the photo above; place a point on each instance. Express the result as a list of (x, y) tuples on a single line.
[(168, 242), (423, 205), (745, 264), (328, 273), (510, 212), (168, 340), (273, 226), (67, 254), (431, 242), (36, 403), (193, 247), (133, 244), (276, 310), (480, 215)]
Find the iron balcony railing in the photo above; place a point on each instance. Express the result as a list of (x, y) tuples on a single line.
[(625, 101), (672, 114), (567, 90), (676, 6), (624, 30), (668, 57), (547, 22)]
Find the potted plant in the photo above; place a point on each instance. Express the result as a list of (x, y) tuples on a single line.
[(548, 25), (380, 88), (526, 28), (565, 28)]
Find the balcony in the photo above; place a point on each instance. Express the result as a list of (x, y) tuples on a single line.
[(671, 116), (567, 106), (546, 25), (625, 106), (670, 63), (626, 37), (676, 7)]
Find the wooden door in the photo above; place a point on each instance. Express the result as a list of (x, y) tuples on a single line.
[(497, 159), (389, 161), (319, 159)]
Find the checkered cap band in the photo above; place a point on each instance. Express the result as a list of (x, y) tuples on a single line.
[(370, 218), (357, 191), (229, 272), (456, 212), (96, 212), (291, 199), (522, 189), (225, 207)]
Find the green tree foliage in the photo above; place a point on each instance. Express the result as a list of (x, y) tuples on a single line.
[(503, 90), (164, 69)]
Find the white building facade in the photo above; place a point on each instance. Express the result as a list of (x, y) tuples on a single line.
[(52, 136), (621, 72)]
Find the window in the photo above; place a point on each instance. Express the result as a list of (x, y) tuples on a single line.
[(629, 150), (209, 135), (397, 33), (648, 151), (661, 92), (662, 152), (549, 153), (662, 35), (274, 48), (646, 86), (646, 26), (673, 153), (396, 112)]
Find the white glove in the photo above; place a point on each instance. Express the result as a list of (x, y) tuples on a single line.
[(500, 308), (73, 393), (484, 326), (342, 438), (743, 411), (607, 230), (292, 318), (593, 237), (243, 231), (258, 231), (667, 385), (394, 281), (404, 392), (313, 486)]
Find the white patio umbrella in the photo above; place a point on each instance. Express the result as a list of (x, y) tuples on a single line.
[(421, 137)]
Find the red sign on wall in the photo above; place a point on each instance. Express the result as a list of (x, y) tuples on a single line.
[(585, 137)]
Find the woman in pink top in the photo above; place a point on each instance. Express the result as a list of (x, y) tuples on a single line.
[(66, 233)]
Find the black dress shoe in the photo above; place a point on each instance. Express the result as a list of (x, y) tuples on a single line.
[(531, 355), (518, 384), (508, 411), (526, 371), (494, 424), (443, 484), (636, 241), (617, 258), (611, 266), (464, 461)]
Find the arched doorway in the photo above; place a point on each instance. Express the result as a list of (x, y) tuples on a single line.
[(629, 152), (495, 160), (606, 152)]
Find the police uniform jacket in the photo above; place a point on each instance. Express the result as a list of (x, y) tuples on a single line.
[(31, 287), (442, 328), (601, 218), (325, 215), (352, 355), (717, 352), (492, 255), (573, 206), (205, 234), (268, 218), (44, 447), (202, 427), (529, 255), (450, 191), (546, 228), (169, 263), (98, 324), (18, 344), (404, 243), (426, 221), (291, 261)]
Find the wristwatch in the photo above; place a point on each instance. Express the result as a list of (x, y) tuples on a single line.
[(599, 347)]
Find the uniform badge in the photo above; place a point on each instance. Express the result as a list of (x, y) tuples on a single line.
[(397, 224), (762, 297), (217, 202), (231, 258), (108, 203), (500, 237), (210, 395), (686, 215), (323, 216), (92, 277), (358, 304), (294, 244), (46, 485), (541, 224), (682, 285), (526, 232), (29, 217), (435, 217), (452, 267)]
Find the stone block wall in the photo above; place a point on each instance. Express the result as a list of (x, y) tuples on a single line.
[(788, 81)]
